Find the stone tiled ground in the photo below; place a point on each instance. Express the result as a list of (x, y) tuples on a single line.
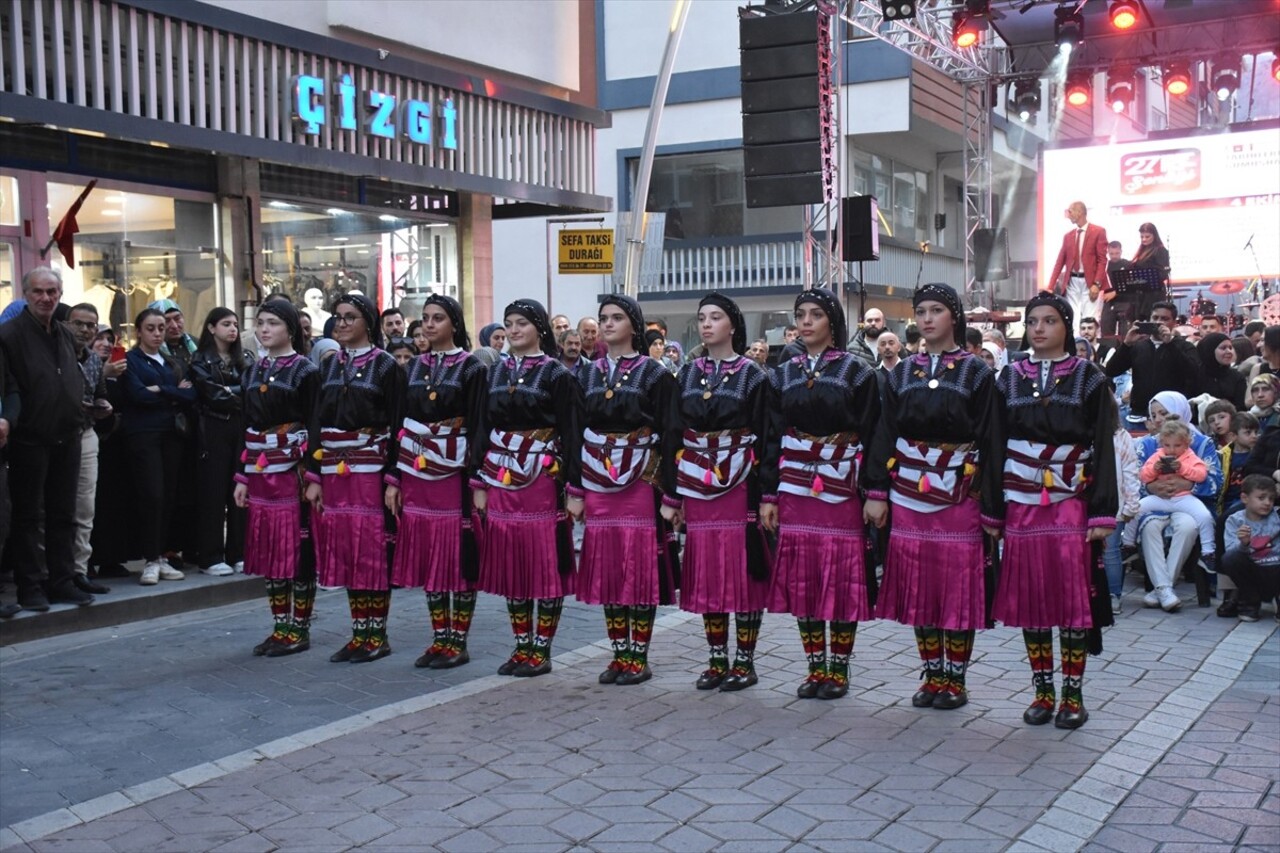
[(1182, 752)]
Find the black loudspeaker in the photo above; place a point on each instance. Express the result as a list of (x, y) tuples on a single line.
[(781, 126), (990, 254), (860, 228)]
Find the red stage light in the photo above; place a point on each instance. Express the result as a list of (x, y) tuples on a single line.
[(1124, 14), (1078, 91), (1177, 79), (966, 29)]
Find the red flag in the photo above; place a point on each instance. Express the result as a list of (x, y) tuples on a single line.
[(64, 234)]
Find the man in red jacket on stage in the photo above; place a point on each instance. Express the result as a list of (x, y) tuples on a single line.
[(1083, 257)]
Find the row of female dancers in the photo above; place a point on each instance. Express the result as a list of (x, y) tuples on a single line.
[(774, 476)]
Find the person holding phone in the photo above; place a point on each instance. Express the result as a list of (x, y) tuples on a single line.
[(1160, 361)]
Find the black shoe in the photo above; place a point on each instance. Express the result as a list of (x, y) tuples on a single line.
[(84, 584), (924, 698), (1071, 719), (809, 688), (424, 660), (9, 610), (343, 655), (67, 593), (711, 679), (528, 670), (513, 663), (1037, 714), (635, 676), (1229, 608), (112, 570), (369, 653), (34, 600), (948, 701), (1247, 614), (261, 649), (738, 679), (833, 689), (610, 674), (279, 650), (449, 661)]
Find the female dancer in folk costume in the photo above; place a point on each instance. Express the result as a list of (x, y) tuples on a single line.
[(628, 561), (428, 491), (937, 456), (829, 408), (1060, 492), (359, 407), (531, 445), (279, 393), (714, 455)]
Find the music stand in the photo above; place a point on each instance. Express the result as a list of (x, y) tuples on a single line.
[(1131, 282)]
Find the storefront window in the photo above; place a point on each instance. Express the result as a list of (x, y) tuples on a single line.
[(133, 248), (901, 192), (315, 254)]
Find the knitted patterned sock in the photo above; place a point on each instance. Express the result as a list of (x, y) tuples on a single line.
[(379, 607), (748, 632), (716, 626), (358, 601), (464, 607), (278, 598), (1075, 649), (842, 637), (929, 645), (548, 620), (813, 639), (520, 611), (438, 607), (957, 646), (641, 633), (304, 600), (1040, 655), (615, 624)]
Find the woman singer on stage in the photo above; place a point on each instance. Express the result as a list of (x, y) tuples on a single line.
[(627, 561), (359, 405), (1151, 255), (532, 445), (937, 456), (279, 394), (1060, 492), (428, 491), (712, 459), (829, 407)]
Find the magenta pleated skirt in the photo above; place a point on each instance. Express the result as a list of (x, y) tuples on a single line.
[(933, 572), (820, 568), (715, 578), (429, 536), (273, 526), (620, 559), (1044, 569), (518, 556), (351, 533)]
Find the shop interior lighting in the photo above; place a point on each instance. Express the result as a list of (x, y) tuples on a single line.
[(1124, 14), (1120, 88), (1068, 28), (1226, 77), (1026, 98), (897, 10), (1078, 89), (1177, 79)]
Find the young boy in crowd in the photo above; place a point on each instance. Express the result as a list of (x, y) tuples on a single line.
[(1252, 558), (1176, 459), (1234, 456), (1262, 392), (1217, 417)]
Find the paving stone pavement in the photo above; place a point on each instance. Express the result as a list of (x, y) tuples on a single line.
[(171, 737)]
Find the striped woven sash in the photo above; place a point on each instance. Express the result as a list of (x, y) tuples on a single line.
[(518, 457), (611, 461), (1044, 474), (432, 451), (713, 463), (344, 452), (275, 450), (931, 477), (822, 467)]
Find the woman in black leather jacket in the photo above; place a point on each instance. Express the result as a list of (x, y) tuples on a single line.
[(216, 371)]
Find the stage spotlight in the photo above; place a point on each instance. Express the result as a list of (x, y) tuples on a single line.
[(1068, 28), (1026, 98), (967, 29), (897, 10), (1120, 89), (1079, 88), (1226, 78), (1124, 14), (1177, 78)]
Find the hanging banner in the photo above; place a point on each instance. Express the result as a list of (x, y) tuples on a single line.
[(586, 251)]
